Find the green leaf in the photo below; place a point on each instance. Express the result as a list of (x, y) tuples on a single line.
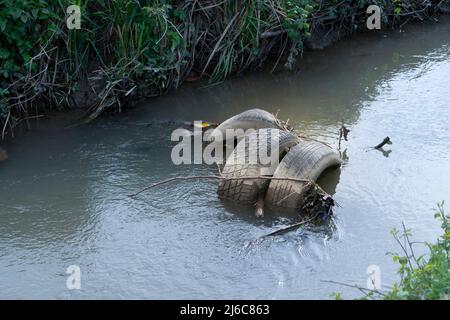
[(3, 23), (23, 18), (34, 13)]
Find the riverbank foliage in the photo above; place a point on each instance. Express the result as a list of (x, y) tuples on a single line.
[(424, 277), (129, 49)]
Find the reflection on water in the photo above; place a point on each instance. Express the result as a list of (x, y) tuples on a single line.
[(63, 192)]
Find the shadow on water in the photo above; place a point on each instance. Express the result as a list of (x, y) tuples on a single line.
[(384, 152), (329, 180)]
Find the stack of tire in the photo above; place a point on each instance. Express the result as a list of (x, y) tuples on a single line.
[(298, 158)]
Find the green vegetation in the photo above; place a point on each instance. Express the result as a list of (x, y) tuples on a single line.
[(421, 277), (127, 49)]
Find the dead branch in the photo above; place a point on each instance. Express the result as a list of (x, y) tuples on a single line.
[(386, 140), (355, 286), (270, 34), (214, 177), (343, 133), (289, 228)]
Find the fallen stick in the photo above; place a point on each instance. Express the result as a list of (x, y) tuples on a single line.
[(289, 228), (382, 143), (214, 177), (355, 286)]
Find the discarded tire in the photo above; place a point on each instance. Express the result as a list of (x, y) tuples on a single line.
[(307, 160), (250, 119), (239, 164)]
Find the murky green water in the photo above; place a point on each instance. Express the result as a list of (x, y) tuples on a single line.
[(62, 192)]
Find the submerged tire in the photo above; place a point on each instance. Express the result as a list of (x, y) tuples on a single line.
[(238, 164), (250, 119), (306, 160)]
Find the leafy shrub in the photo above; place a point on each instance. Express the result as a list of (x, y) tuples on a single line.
[(146, 47), (22, 24), (425, 277)]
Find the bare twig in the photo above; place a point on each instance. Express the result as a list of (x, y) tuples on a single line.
[(386, 140), (286, 197), (30, 117), (214, 177), (289, 228), (362, 289), (6, 123), (405, 232), (405, 251), (270, 34), (343, 133)]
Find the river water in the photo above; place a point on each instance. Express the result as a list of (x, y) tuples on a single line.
[(63, 191)]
